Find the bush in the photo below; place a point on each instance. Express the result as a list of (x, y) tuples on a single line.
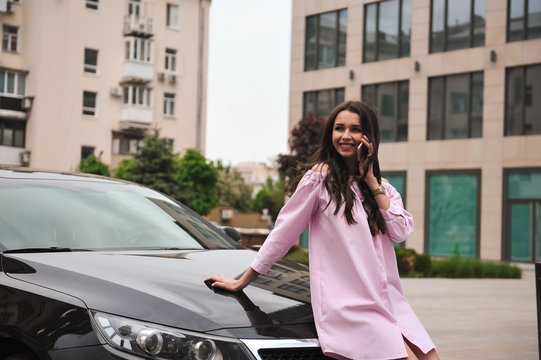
[(300, 256), (456, 267), (405, 259), (92, 165), (422, 264)]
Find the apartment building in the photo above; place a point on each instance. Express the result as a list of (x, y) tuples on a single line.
[(85, 77), (457, 86)]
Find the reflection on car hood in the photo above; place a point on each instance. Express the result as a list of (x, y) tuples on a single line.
[(166, 287)]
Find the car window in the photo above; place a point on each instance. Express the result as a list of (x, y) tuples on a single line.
[(94, 215)]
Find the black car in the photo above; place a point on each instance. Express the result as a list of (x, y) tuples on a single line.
[(97, 268)]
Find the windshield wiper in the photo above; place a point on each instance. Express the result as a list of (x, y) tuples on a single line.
[(42, 250)]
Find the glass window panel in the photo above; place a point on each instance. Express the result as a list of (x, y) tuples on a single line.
[(310, 51), (525, 186), (387, 111), (2, 77), (457, 106), (89, 99), (458, 24), (7, 137), (398, 182), (477, 105), (516, 20), (325, 103), (437, 33), (403, 104), (534, 19), (479, 14), (19, 138), (405, 29), (435, 108), (388, 30), (172, 107), (453, 215), (11, 83), (339, 97), (538, 232), (21, 84), (521, 232), (127, 50), (514, 107), (116, 146), (125, 94), (327, 40), (133, 146), (134, 90), (369, 53), (369, 94), (91, 57), (342, 27), (309, 103), (532, 100)]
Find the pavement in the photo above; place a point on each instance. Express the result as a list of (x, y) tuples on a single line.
[(492, 319)]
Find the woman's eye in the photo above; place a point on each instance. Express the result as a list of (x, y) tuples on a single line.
[(356, 130)]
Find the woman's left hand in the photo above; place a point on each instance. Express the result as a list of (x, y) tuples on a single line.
[(370, 179)]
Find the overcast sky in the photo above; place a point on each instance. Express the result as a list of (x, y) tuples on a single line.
[(248, 80)]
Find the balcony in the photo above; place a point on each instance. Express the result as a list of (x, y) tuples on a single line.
[(135, 117), (133, 70), (138, 25), (13, 156)]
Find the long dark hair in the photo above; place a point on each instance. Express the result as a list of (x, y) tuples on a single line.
[(338, 180)]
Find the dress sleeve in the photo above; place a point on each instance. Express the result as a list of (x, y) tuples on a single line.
[(399, 222), (291, 221)]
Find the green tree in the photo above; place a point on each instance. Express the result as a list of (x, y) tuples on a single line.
[(232, 190), (92, 165), (198, 178), (271, 197), (124, 169), (154, 165)]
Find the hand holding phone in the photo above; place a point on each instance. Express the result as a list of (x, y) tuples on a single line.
[(359, 151)]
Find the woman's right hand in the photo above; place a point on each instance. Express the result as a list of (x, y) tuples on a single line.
[(225, 282)]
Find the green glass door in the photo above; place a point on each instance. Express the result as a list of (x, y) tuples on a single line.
[(525, 231)]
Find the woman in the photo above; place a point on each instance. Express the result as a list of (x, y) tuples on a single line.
[(359, 308)]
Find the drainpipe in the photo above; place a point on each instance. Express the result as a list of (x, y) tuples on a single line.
[(201, 34)]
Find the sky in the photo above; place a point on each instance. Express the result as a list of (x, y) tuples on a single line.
[(248, 80)]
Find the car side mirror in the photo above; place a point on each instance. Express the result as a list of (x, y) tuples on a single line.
[(233, 234)]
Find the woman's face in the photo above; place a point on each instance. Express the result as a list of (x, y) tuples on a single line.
[(347, 134)]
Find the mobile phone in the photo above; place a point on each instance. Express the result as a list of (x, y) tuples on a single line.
[(359, 151)]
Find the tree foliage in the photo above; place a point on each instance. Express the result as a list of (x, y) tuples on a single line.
[(303, 143), (198, 182), (232, 189), (270, 197), (124, 169), (93, 165)]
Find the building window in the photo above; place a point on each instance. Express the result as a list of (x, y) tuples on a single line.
[(387, 30), (10, 38), (171, 60), (172, 16), (86, 151), (522, 99), (12, 132), (12, 82), (453, 203), (322, 102), (169, 104), (134, 7), (92, 4), (522, 215), (455, 106), (126, 143), (91, 61), (137, 95), (523, 20), (89, 103), (325, 45), (391, 101), (138, 49), (457, 24)]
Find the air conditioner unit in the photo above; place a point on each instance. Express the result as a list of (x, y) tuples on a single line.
[(26, 103), (24, 156), (227, 214), (116, 91), (172, 79), (161, 76)]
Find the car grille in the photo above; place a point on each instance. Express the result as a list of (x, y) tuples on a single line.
[(293, 354)]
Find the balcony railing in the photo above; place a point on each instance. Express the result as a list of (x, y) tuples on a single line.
[(138, 25), (135, 117)]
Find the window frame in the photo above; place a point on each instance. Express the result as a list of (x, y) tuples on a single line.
[(170, 64), (93, 5), (14, 125), (89, 111), (317, 92), (90, 69), (169, 100), (16, 80), (452, 172), (169, 16), (10, 40), (445, 105), (525, 28), (137, 95), (445, 28), (125, 137), (396, 104), (337, 38), (400, 39), (138, 49)]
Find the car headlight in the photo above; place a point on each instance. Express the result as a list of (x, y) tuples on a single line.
[(162, 342)]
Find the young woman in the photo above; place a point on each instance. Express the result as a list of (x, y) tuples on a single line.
[(359, 308)]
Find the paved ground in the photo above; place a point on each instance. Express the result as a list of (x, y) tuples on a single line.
[(481, 319)]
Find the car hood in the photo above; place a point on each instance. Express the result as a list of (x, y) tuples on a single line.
[(167, 287)]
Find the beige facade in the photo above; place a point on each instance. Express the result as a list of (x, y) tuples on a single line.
[(489, 154), (130, 89)]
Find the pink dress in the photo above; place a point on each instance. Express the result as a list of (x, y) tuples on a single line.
[(359, 309)]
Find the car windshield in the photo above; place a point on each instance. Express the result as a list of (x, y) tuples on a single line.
[(67, 214)]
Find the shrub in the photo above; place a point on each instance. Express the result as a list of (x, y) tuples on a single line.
[(300, 256), (422, 264), (92, 165), (405, 259), (456, 267)]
